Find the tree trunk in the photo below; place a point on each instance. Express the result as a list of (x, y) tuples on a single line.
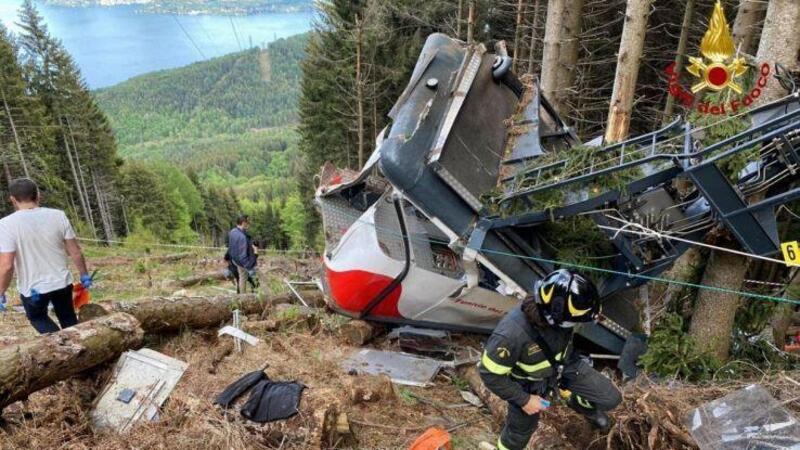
[(83, 190), (714, 312), (360, 91), (688, 15), (162, 315), (6, 169), (76, 179), (460, 13), (198, 279), (780, 42), (471, 21), (534, 27), (35, 364), (518, 34), (370, 389), (16, 136), (628, 59), (568, 57), (105, 218), (749, 18), (552, 48), (687, 269)]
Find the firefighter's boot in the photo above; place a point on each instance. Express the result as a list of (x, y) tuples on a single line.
[(597, 418)]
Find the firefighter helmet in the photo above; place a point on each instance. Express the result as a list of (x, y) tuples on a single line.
[(566, 297)]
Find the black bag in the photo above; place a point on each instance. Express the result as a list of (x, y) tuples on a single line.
[(273, 400), (227, 397)]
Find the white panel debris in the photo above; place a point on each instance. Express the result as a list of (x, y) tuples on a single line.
[(141, 383), (402, 368)]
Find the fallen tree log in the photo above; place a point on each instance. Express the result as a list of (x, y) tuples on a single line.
[(216, 275), (31, 365), (160, 315), (172, 258), (35, 364)]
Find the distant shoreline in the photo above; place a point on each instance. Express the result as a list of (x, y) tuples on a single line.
[(191, 8)]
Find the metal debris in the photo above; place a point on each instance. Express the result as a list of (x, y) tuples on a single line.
[(239, 335), (745, 419), (141, 383), (401, 368)]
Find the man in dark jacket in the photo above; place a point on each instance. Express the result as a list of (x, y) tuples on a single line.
[(242, 252), (529, 356)]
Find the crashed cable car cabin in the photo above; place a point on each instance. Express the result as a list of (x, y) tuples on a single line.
[(415, 242)]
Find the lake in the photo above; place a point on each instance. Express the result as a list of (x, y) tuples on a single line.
[(112, 44)]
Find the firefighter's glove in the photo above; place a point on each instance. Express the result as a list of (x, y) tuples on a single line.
[(86, 280)]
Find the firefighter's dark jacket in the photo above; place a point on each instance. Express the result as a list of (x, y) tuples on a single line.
[(512, 362)]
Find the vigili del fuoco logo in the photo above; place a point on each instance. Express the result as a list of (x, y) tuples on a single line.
[(718, 69)]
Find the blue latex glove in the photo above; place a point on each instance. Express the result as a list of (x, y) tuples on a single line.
[(86, 280), (3, 301), (545, 404)]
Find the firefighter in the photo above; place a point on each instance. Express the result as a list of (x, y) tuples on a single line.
[(529, 358)]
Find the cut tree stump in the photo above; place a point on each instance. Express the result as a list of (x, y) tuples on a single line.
[(370, 388), (35, 364), (357, 332), (292, 315)]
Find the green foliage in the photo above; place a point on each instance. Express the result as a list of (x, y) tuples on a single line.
[(148, 201), (140, 238), (716, 130), (295, 221), (460, 383), (577, 240), (671, 352)]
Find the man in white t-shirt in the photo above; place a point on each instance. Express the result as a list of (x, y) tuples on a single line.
[(37, 243)]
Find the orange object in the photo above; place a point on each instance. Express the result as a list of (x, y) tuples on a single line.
[(80, 296), (433, 438)]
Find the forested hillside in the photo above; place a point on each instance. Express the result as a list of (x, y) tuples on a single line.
[(231, 94), (230, 122)]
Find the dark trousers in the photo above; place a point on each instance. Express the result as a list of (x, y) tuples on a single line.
[(594, 390), (36, 311)]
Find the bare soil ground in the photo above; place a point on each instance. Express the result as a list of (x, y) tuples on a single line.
[(308, 352)]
